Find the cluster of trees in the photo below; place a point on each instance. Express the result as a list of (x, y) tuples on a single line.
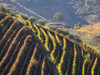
[(8, 10), (84, 7), (84, 10)]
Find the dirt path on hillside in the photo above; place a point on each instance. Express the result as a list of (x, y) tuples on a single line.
[(31, 11)]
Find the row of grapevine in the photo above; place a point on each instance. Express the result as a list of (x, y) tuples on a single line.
[(71, 61), (5, 19), (38, 33), (69, 65), (14, 55), (31, 27), (21, 19), (12, 46), (84, 64), (21, 53), (6, 46), (6, 36), (17, 51), (58, 40), (8, 32), (27, 59), (75, 61), (4, 26), (20, 57), (33, 62), (94, 66), (54, 48), (62, 58), (46, 40), (43, 67)]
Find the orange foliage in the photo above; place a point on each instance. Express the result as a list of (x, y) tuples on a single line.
[(91, 29)]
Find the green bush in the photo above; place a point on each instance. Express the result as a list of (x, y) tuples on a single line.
[(63, 32), (24, 16), (58, 16), (41, 22), (32, 19)]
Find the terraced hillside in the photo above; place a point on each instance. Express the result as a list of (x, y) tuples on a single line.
[(21, 53), (70, 57)]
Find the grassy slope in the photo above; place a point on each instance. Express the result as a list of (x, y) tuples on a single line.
[(91, 29), (90, 34)]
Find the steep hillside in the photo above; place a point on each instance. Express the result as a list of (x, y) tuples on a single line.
[(21, 52)]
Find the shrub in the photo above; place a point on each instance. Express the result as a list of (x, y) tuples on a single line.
[(75, 37), (24, 16), (32, 19), (58, 16), (63, 32), (41, 22)]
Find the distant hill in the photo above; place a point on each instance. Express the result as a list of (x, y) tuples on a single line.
[(50, 7), (74, 11), (86, 6)]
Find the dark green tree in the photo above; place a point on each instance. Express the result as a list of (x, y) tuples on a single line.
[(58, 16), (32, 19)]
